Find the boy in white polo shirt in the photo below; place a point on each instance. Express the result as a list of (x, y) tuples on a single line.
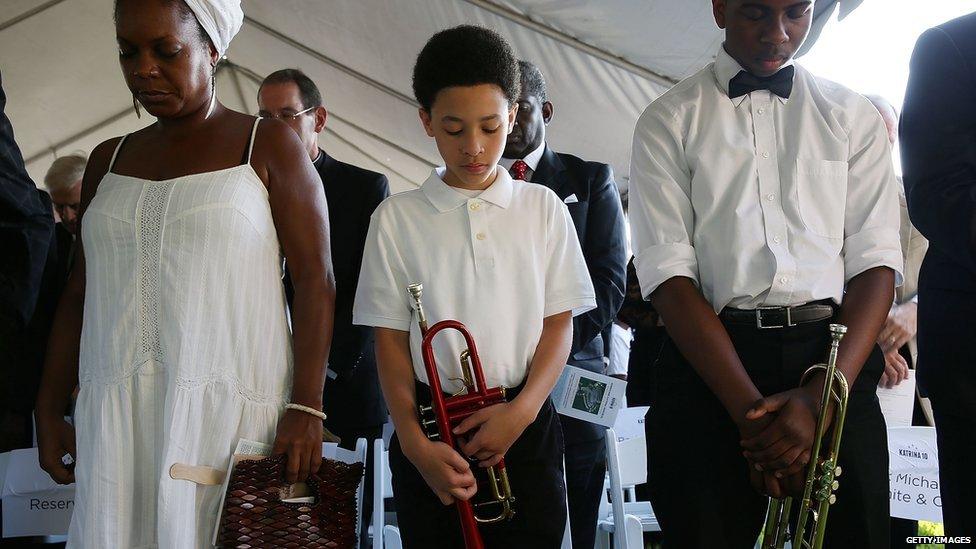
[(502, 257)]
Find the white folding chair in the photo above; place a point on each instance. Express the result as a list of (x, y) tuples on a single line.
[(331, 450), (568, 533), (626, 520), (385, 536)]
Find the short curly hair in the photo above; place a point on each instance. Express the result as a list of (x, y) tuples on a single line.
[(465, 56), (533, 83)]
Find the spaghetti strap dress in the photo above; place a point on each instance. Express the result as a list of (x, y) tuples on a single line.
[(185, 348)]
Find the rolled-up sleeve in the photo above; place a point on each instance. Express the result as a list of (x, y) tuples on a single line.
[(661, 215), (871, 219), (381, 296)]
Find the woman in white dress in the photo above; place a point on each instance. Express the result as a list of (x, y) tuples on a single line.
[(173, 322)]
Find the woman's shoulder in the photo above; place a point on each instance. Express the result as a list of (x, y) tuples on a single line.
[(274, 141), (272, 136), (100, 159)]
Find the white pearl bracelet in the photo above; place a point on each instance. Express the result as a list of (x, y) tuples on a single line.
[(308, 410)]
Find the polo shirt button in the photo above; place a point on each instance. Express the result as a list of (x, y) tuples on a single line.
[(770, 196), (475, 206), (761, 110), (765, 154), (480, 236), (784, 279), (777, 239)]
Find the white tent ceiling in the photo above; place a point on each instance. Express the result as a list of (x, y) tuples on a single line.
[(604, 62)]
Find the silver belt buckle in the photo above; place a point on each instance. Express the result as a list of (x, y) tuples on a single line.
[(759, 318)]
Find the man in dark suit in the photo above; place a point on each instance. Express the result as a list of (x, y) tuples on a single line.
[(352, 398), (588, 190), (26, 225), (938, 147)]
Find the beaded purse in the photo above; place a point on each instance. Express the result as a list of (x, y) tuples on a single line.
[(256, 517)]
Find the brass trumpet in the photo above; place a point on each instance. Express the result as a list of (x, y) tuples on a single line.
[(822, 471), (445, 413)]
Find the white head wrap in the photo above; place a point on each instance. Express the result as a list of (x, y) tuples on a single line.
[(221, 19)]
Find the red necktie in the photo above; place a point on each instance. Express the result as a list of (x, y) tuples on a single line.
[(519, 168)]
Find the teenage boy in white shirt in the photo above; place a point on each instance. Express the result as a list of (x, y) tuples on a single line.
[(764, 207), (502, 257)]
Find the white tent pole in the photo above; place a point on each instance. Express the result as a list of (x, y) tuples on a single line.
[(53, 149), (564, 38), (28, 14), (332, 62)]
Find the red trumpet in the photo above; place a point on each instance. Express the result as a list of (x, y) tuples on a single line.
[(445, 413)]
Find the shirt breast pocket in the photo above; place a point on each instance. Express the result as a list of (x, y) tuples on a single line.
[(821, 195)]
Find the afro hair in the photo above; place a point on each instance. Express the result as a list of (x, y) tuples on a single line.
[(465, 56)]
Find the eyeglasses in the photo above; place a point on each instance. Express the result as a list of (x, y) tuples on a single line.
[(285, 116)]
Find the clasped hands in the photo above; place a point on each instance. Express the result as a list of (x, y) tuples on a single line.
[(777, 436), (484, 436)]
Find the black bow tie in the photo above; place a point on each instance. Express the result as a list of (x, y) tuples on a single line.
[(780, 83)]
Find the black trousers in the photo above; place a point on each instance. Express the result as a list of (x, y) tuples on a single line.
[(586, 468), (535, 470), (698, 478), (957, 476)]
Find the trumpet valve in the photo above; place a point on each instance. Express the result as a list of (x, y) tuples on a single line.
[(837, 471)]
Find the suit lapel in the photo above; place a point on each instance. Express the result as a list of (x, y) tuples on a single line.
[(548, 170), (326, 168)]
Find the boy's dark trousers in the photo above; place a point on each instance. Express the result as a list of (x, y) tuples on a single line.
[(535, 471), (698, 477)]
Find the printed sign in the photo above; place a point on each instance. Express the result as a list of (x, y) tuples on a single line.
[(33, 504), (913, 477)]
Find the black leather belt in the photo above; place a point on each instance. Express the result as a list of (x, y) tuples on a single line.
[(778, 317)]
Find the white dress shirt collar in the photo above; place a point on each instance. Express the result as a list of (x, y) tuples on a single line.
[(726, 67), (532, 159), (443, 197)]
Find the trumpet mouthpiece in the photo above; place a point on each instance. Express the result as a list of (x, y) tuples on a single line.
[(416, 289), (839, 329)]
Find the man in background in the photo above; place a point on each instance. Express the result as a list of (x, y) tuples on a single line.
[(352, 399), (588, 190), (898, 336), (26, 224), (938, 149)]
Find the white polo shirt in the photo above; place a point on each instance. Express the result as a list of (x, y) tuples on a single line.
[(499, 262)]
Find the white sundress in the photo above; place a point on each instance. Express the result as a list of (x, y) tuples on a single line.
[(185, 348)]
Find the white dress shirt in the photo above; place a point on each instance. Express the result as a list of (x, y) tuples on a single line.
[(531, 160), (499, 263), (762, 201), (620, 340)]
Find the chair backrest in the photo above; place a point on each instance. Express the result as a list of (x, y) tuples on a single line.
[(627, 464), (628, 458), (382, 488)]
